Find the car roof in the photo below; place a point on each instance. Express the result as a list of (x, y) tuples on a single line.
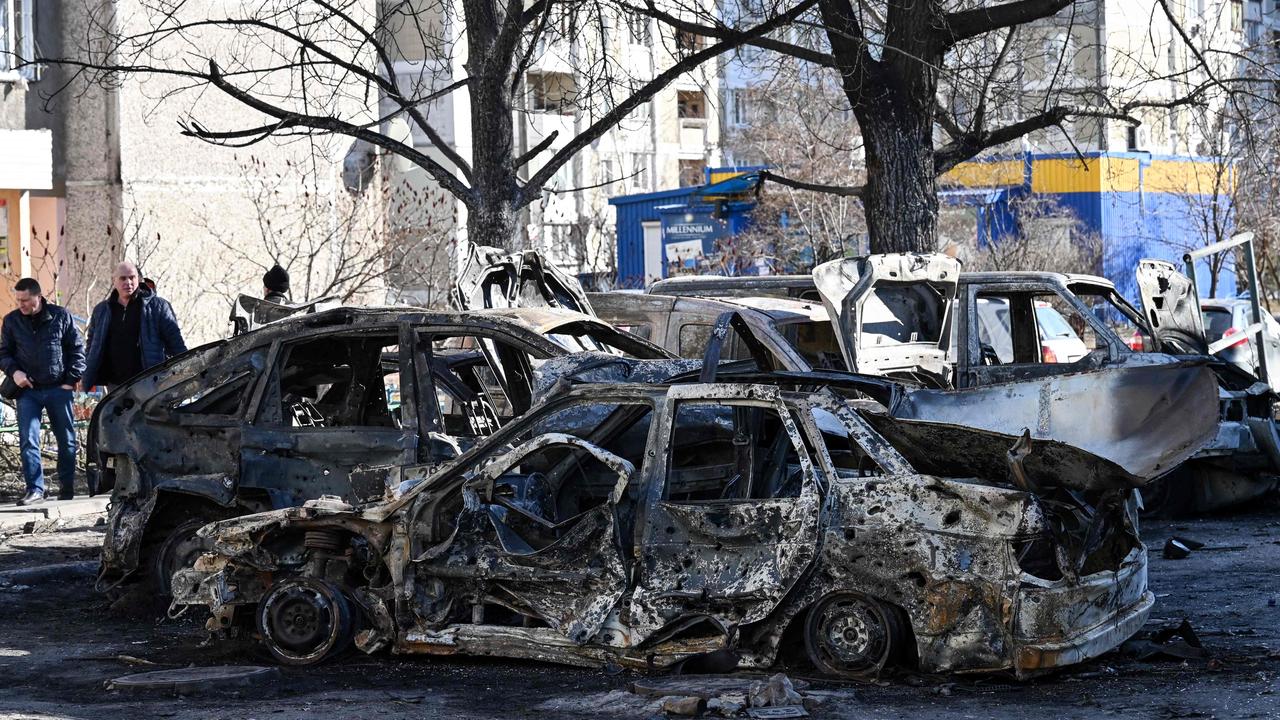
[(1016, 275)]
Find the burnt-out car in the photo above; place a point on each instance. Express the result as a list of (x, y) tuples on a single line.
[(309, 406), (644, 524)]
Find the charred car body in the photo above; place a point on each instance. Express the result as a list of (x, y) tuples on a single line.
[(303, 407), (643, 524)]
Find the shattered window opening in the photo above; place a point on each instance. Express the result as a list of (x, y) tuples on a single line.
[(337, 381), (473, 377), (225, 398), (730, 452), (1120, 318)]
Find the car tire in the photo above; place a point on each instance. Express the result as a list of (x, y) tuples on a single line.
[(305, 621), (179, 548), (852, 636)]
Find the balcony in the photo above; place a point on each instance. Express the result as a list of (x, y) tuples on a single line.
[(693, 135)]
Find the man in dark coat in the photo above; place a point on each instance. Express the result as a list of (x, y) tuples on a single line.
[(40, 349), (130, 331), (275, 285)]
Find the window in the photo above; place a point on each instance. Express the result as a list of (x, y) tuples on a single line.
[(1116, 314), (688, 43), (692, 172), (1237, 15), (902, 313), (691, 104), (478, 383), (725, 452), (17, 38), (224, 391), (553, 485), (641, 170), (1022, 327), (336, 381), (552, 93), (638, 30), (737, 108)]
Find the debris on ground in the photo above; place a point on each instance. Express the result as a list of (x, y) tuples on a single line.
[(777, 691), (685, 706), (194, 679), (1176, 642)]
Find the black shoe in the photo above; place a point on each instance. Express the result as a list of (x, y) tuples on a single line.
[(34, 497), (66, 496)]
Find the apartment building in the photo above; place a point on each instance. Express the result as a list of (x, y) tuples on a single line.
[(666, 142), (102, 173)]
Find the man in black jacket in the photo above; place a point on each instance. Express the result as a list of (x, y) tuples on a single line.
[(41, 350), (130, 331)]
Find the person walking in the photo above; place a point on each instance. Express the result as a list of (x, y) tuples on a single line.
[(41, 351), (275, 285), (130, 331)]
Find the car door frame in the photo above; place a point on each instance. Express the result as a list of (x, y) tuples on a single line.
[(654, 477), (284, 440), (970, 372)]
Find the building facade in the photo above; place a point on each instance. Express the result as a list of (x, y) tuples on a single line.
[(666, 142), (101, 173)]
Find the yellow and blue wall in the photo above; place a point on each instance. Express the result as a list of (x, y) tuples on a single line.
[(1140, 205)]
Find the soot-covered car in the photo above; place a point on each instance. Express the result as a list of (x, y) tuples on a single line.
[(310, 406), (645, 524)]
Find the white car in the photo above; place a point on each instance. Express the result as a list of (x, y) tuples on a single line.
[(1059, 343)]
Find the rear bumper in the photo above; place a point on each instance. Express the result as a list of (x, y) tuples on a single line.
[(1063, 623)]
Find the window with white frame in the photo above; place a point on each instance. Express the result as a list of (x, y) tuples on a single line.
[(638, 30), (17, 38), (552, 93), (640, 171), (737, 107)]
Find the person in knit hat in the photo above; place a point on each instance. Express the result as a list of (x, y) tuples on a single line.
[(275, 285)]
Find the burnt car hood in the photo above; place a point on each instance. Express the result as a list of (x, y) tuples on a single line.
[(885, 306), (1171, 307), (1146, 413), (490, 277), (948, 450)]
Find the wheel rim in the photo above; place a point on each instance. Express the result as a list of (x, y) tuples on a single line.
[(303, 621), (849, 635)]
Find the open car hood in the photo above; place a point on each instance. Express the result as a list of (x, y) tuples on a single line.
[(493, 278), (948, 450), (1171, 308), (1146, 414), (890, 311)]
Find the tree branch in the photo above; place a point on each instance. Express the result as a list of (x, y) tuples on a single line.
[(842, 190), (966, 24)]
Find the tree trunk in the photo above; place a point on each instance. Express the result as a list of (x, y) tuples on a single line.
[(492, 213), (900, 198)]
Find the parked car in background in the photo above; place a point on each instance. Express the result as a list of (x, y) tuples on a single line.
[(644, 524), (312, 405), (1227, 317), (798, 334), (1058, 341), (797, 287)]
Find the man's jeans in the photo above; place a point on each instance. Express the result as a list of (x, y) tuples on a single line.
[(57, 402)]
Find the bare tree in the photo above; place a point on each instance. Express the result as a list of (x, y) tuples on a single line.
[(309, 67), (933, 83), (1041, 235), (334, 242), (797, 125)]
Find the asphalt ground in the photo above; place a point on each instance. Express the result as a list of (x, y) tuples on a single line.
[(60, 642)]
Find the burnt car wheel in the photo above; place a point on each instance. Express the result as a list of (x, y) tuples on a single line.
[(850, 635), (304, 621), (179, 550)]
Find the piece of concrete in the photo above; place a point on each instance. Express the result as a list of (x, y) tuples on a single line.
[(684, 706), (194, 679), (703, 686), (14, 518)]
